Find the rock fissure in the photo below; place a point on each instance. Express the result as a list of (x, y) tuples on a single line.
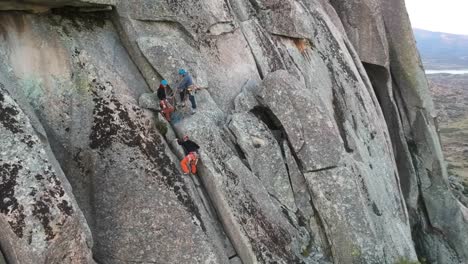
[(340, 120), (323, 169), (3, 258), (328, 249), (283, 154), (257, 63)]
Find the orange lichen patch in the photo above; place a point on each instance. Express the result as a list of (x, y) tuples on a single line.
[(302, 44)]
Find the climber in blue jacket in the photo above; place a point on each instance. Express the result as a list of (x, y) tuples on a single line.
[(185, 87)]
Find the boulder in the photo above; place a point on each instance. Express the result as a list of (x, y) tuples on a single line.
[(149, 101), (308, 126)]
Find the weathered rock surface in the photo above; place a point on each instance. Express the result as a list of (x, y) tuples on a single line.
[(385, 43), (315, 127), (149, 101), (127, 183), (40, 221), (2, 258), (260, 227), (263, 154)]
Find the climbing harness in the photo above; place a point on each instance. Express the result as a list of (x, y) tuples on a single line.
[(166, 109)]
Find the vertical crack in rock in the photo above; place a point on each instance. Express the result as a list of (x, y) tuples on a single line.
[(339, 104), (320, 221), (112, 123), (237, 148), (274, 124), (403, 110), (3, 257), (328, 249), (283, 154), (257, 63), (276, 129), (340, 120), (277, 238), (422, 225), (386, 92)]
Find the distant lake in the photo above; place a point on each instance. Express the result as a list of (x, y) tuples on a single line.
[(465, 71)]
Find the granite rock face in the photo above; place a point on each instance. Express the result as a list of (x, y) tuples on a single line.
[(381, 33), (317, 138), (40, 221), (84, 89)]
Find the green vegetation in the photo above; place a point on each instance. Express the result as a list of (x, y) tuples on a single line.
[(453, 135), (308, 249), (161, 127), (356, 252), (82, 84), (306, 252), (451, 100)]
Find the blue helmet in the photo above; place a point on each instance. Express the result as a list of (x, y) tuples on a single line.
[(164, 82), (182, 72)]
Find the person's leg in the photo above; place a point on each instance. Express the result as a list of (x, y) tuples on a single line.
[(194, 104), (192, 100), (184, 164), (194, 163), (167, 114), (194, 168), (182, 97)]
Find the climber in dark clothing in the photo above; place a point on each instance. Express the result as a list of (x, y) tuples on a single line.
[(166, 107), (189, 163), (162, 90), (188, 145)]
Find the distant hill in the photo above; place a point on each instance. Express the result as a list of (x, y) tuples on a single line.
[(442, 50)]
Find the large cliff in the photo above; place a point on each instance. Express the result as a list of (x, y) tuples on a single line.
[(317, 132)]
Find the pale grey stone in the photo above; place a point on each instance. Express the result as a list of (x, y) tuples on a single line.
[(40, 221), (149, 101), (264, 156)]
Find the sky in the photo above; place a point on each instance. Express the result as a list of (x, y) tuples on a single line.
[(450, 16)]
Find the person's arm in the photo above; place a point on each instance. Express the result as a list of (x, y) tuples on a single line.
[(196, 145), (189, 80), (184, 83)]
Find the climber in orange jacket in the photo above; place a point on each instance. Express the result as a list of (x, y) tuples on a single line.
[(189, 163)]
